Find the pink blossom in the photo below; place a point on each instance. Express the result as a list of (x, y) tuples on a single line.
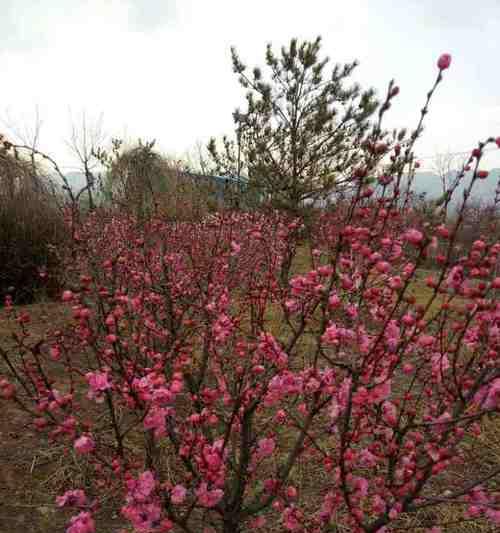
[(142, 516), (291, 519), (455, 277), (331, 335), (358, 356), (346, 282), (478, 245), (208, 497), (489, 396), (67, 296), (222, 328), (271, 485), (389, 413), (426, 340), (212, 458), (140, 489), (292, 305), (361, 485), (334, 301), (383, 267), (325, 270), (360, 397), (84, 444), (378, 504), (381, 392), (258, 522), (271, 350), (7, 390), (408, 319), (352, 311), (367, 459), (313, 385), (395, 282), (409, 269), (178, 494), (155, 420), (395, 511), (440, 423), (81, 523), (414, 236), (111, 338), (55, 353), (343, 393), (166, 525), (235, 248), (385, 179), (281, 385), (75, 498), (162, 396), (176, 386), (440, 364), (98, 382), (280, 416), (334, 334), (392, 335), (493, 515), (265, 447)]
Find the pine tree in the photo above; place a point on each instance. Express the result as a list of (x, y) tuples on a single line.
[(302, 129)]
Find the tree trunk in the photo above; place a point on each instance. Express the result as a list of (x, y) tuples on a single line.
[(231, 525)]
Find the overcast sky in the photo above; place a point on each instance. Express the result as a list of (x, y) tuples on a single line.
[(161, 68)]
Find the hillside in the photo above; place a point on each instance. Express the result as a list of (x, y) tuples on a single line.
[(425, 182), (430, 184)]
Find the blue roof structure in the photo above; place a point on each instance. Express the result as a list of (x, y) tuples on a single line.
[(222, 185), (220, 179)]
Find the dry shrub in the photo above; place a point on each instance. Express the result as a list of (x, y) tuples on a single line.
[(143, 183), (32, 231), (187, 197)]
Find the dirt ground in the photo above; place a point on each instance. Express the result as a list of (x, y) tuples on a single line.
[(33, 472), (26, 497)]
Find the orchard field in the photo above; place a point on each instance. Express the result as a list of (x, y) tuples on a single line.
[(267, 363)]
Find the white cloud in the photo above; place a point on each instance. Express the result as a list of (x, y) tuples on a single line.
[(162, 69)]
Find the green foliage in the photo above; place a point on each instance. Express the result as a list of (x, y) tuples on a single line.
[(302, 129)]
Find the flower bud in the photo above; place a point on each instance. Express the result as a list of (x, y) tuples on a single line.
[(394, 91), (67, 296), (444, 61)]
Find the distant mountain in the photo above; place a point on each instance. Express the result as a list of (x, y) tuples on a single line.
[(430, 184), (425, 182)]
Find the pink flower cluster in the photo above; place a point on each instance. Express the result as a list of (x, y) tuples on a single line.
[(217, 360)]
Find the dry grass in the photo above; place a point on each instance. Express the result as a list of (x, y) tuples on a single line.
[(32, 473)]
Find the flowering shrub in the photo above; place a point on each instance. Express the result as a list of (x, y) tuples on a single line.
[(197, 377)]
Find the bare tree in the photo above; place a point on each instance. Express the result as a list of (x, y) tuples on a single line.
[(27, 132), (446, 165), (86, 139)]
